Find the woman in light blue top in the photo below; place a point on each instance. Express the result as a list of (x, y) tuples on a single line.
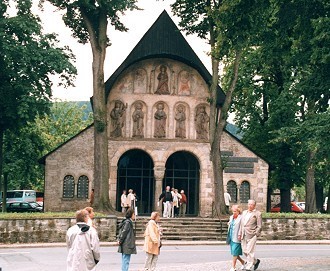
[(233, 240)]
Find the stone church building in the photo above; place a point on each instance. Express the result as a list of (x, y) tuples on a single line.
[(158, 131)]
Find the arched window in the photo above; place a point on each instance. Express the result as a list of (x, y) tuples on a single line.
[(244, 192), (68, 186), (232, 190), (83, 187)]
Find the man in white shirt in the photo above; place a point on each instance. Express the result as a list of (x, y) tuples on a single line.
[(227, 201)]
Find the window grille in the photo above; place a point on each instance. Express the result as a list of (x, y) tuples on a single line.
[(68, 186)]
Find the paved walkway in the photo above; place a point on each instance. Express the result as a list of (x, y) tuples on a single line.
[(281, 264)]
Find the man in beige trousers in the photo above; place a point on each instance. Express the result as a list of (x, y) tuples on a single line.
[(250, 229)]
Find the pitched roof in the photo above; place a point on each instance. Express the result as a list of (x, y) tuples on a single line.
[(164, 40)]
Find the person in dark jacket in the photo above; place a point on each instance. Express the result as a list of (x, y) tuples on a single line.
[(126, 239)]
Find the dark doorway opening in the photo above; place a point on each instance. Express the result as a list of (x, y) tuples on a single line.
[(182, 172), (136, 171)]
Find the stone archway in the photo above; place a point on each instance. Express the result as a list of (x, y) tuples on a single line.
[(136, 171), (182, 172)]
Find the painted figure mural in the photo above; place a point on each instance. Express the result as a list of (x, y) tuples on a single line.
[(138, 124), (184, 83), (160, 121), (140, 81), (202, 122), (180, 118), (162, 78), (117, 119)]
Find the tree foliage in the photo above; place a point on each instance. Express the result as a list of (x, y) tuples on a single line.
[(230, 26), (282, 105), (25, 147), (27, 60)]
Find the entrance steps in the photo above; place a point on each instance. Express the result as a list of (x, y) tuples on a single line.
[(186, 229)]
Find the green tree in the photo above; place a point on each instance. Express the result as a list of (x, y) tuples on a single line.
[(284, 93), (229, 26), (27, 60), (88, 21), (23, 149)]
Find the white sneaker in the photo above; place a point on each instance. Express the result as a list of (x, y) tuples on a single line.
[(232, 269), (243, 267)]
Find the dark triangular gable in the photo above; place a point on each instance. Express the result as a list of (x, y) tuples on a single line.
[(163, 40)]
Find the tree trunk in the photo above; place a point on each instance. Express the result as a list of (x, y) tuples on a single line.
[(310, 184), (285, 199), (98, 40), (218, 124)]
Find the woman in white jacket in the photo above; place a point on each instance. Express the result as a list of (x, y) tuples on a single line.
[(83, 244)]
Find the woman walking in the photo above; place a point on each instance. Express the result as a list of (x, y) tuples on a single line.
[(152, 242), (233, 240), (126, 239)]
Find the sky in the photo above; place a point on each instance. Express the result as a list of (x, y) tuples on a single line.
[(138, 23)]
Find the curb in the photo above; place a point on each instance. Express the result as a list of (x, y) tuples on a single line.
[(176, 243)]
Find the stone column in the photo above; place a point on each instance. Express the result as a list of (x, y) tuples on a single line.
[(159, 172)]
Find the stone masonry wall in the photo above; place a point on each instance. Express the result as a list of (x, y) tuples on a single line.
[(50, 230), (296, 229), (54, 230)]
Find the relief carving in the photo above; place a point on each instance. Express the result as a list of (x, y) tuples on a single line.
[(180, 118), (202, 122), (160, 121), (162, 87), (117, 119), (138, 118)]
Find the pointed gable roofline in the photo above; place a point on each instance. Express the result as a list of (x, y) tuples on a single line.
[(164, 40)]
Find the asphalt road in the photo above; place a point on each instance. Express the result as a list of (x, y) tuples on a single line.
[(190, 257)]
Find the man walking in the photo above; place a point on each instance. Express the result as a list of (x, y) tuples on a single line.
[(250, 229)]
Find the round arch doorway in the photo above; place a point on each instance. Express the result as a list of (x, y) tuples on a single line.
[(182, 173), (136, 171)]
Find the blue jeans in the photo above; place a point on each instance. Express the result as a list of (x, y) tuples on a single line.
[(125, 258)]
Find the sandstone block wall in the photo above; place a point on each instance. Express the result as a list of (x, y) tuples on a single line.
[(54, 230), (50, 230)]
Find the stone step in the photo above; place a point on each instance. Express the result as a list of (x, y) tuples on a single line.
[(187, 228)]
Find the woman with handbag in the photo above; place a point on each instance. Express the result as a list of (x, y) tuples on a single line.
[(232, 238), (152, 242)]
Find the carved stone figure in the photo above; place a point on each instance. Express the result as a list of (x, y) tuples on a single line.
[(160, 121), (180, 117), (138, 124), (117, 120), (162, 77), (202, 122)]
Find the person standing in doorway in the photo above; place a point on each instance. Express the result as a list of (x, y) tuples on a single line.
[(91, 197), (130, 200), (167, 198), (227, 201), (175, 204), (234, 226), (183, 204), (83, 244), (251, 223), (123, 202), (126, 239), (152, 242)]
